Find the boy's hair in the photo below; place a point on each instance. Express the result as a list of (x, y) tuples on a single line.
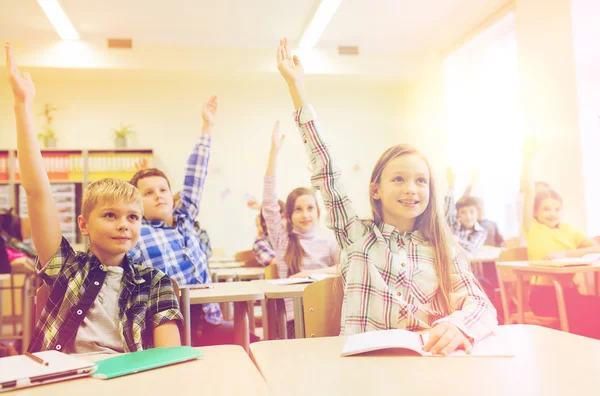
[(109, 190), (263, 222), (294, 256), (540, 196), (430, 224), (464, 202), (143, 173)]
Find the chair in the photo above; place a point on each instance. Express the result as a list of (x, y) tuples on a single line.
[(512, 242), (507, 281), (271, 271), (244, 256), (323, 307)]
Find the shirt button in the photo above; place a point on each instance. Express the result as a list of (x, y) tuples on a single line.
[(58, 347), (96, 283), (403, 264), (79, 312), (398, 294), (102, 267)]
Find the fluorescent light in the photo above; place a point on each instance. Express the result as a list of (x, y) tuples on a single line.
[(319, 22), (59, 19)]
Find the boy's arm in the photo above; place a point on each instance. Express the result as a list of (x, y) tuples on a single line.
[(527, 182), (197, 164), (167, 335), (43, 216)]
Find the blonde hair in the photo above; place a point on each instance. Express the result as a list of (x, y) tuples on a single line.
[(109, 191), (430, 224)]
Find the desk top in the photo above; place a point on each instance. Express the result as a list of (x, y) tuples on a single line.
[(242, 273), (4, 277), (224, 370), (229, 264), (226, 292), (489, 254), (548, 362), (526, 266), (280, 291)]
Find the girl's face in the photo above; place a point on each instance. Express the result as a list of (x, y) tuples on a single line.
[(403, 190), (549, 212), (304, 215)]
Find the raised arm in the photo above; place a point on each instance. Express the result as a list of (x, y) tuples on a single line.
[(449, 203), (340, 215), (43, 216), (197, 164), (270, 207), (474, 179), (527, 188)]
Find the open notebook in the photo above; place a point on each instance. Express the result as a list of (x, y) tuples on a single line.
[(297, 281), (588, 259), (404, 339), (21, 371)]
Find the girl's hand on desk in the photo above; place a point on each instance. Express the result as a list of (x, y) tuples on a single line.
[(556, 255), (446, 338)]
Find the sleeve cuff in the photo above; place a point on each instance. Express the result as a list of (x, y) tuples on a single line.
[(204, 139), (305, 114)]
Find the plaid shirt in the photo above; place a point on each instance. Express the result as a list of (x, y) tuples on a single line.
[(263, 252), (470, 239), (389, 279), (177, 250), (74, 280)]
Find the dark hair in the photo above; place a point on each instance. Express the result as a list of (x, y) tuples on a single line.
[(263, 223), (464, 202), (142, 174), (294, 256), (540, 196)]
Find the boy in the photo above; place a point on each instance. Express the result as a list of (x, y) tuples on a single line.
[(494, 238), (169, 240), (462, 218), (99, 301)]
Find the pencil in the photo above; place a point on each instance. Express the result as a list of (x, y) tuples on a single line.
[(36, 359)]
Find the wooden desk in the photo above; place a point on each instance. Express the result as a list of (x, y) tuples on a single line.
[(520, 268), (222, 259), (242, 273), (240, 293), (221, 265), (270, 312), (548, 362), (485, 255), (224, 370)]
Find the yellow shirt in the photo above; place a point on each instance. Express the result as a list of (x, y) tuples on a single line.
[(543, 240)]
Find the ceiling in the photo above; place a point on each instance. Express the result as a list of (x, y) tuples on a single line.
[(407, 29)]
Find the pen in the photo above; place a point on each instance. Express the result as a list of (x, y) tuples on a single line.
[(36, 359)]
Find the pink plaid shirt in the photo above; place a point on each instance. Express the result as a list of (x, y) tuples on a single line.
[(389, 279)]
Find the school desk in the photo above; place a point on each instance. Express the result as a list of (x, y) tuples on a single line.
[(548, 362), (240, 273), (229, 264), (239, 293), (224, 370), (484, 255), (520, 268), (273, 308)]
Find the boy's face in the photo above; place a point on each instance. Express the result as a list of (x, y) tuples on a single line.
[(157, 198), (113, 228), (467, 215)]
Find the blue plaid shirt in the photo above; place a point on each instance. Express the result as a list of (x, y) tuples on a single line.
[(177, 250)]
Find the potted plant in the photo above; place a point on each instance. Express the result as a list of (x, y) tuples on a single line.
[(120, 135), (48, 135)]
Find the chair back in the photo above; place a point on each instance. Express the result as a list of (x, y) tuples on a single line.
[(323, 307)]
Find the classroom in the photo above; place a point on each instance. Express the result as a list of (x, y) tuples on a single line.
[(436, 211)]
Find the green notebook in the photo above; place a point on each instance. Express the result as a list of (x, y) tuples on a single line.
[(144, 360)]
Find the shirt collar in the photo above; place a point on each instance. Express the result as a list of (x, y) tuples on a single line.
[(130, 272), (388, 230)]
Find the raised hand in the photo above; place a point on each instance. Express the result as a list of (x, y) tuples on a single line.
[(209, 113), (20, 83), (276, 138), (289, 66), (450, 178), (530, 146)]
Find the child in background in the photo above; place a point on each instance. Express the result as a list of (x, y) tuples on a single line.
[(299, 252), (494, 238), (547, 238), (462, 218), (100, 301), (401, 270), (263, 251), (202, 233)]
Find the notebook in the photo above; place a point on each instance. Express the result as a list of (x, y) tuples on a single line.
[(297, 281), (148, 359), (588, 259), (21, 371), (408, 340)]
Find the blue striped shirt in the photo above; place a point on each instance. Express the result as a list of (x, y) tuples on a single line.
[(177, 250)]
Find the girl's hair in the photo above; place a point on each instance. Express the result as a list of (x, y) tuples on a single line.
[(542, 195), (294, 256), (263, 223), (430, 224)]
